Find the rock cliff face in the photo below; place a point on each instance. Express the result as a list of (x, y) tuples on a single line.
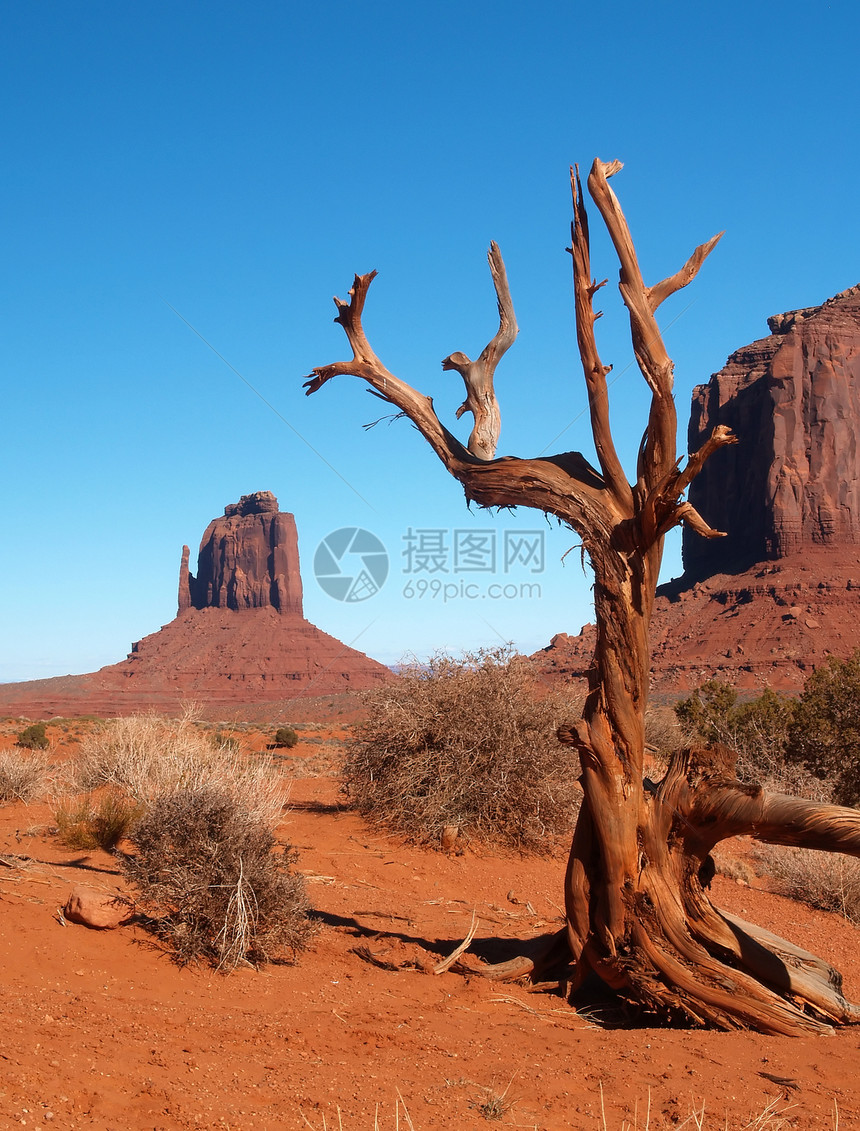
[(771, 625), (249, 559), (768, 603), (793, 480)]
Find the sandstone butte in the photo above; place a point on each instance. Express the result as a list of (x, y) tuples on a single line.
[(239, 643), (769, 602)]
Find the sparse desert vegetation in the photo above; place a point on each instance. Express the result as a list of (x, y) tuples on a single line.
[(34, 737), (96, 820), (466, 747), (286, 737), (204, 867), (199, 816), (313, 1022), (24, 774)]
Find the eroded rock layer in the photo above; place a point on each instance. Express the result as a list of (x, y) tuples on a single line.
[(769, 626), (769, 602), (793, 480)]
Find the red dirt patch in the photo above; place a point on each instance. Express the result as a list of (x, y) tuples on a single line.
[(102, 1030)]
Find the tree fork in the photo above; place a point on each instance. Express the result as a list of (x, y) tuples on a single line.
[(636, 904)]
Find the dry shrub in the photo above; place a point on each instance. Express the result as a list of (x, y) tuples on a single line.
[(827, 881), (200, 820), (663, 732), (145, 757), (206, 872), (24, 774), (732, 867), (96, 821), (468, 743)]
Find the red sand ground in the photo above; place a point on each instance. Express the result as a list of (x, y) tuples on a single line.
[(101, 1030)]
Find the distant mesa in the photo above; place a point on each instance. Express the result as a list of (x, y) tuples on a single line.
[(239, 642), (769, 602)]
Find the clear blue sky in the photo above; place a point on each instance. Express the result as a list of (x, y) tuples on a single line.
[(241, 162)]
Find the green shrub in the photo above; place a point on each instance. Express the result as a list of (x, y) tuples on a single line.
[(756, 729), (286, 737), (825, 731), (206, 872), (34, 737), (466, 744), (707, 713)]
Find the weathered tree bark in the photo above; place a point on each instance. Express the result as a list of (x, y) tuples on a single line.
[(637, 909)]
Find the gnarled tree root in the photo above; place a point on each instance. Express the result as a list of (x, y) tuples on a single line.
[(679, 954)]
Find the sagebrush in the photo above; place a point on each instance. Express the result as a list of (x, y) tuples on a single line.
[(146, 756), (34, 737), (286, 737), (468, 744), (206, 873), (201, 826), (827, 881)]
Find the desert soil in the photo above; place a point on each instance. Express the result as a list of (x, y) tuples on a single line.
[(100, 1029)]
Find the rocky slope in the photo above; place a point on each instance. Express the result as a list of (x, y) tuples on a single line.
[(768, 626), (239, 640)]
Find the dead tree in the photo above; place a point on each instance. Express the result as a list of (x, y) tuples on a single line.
[(637, 907)]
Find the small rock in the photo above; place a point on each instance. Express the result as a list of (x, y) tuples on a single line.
[(97, 909)]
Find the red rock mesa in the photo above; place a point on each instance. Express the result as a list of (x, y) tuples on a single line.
[(770, 601), (239, 643)]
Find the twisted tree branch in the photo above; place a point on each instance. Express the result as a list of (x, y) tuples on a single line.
[(566, 485), (478, 375), (593, 368)]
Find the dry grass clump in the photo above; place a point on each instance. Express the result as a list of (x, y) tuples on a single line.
[(827, 881), (206, 872), (146, 757), (468, 744), (776, 1115), (94, 821), (24, 774), (200, 818), (399, 1110), (663, 732)]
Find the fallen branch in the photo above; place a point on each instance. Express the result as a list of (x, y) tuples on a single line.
[(448, 962)]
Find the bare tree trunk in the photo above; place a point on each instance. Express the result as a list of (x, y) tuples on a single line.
[(637, 909)]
